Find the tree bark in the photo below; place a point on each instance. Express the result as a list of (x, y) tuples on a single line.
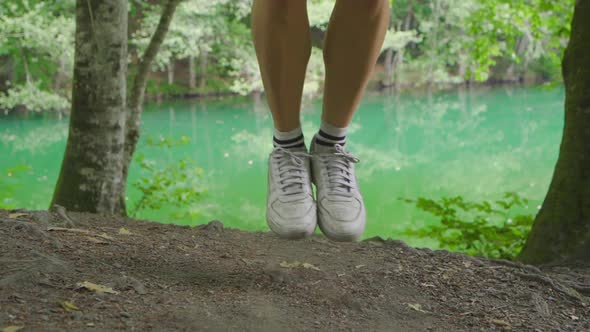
[(137, 93), (90, 177), (562, 228)]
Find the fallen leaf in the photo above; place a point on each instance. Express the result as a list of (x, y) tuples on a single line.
[(90, 324), (286, 264), (310, 266), (124, 231), (359, 266), (68, 306), (501, 322), (426, 284), (13, 328), (98, 289), (416, 307), (105, 236), (16, 215), (573, 317), (467, 264)]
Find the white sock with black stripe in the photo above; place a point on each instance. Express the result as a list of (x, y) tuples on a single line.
[(330, 135), (292, 139)]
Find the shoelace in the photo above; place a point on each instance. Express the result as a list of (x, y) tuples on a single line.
[(338, 167), (291, 170)]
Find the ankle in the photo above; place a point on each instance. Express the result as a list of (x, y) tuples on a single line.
[(292, 139), (330, 135)]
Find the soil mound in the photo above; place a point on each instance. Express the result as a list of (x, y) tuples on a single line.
[(70, 271)]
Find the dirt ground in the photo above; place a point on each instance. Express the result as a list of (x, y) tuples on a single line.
[(81, 272)]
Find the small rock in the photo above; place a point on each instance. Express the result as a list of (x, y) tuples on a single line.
[(41, 217), (76, 315), (375, 239), (213, 226)]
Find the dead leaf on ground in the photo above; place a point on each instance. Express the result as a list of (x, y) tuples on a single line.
[(359, 266), (13, 328), (124, 231), (98, 289), (81, 231), (304, 265), (417, 307), (105, 236), (501, 322), (16, 215), (68, 306)]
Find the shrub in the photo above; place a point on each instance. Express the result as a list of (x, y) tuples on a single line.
[(494, 229)]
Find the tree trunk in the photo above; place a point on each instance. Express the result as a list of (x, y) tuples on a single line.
[(28, 78), (171, 72), (60, 75), (136, 95), (387, 80), (204, 63), (192, 79), (435, 6), (394, 60), (562, 228), (91, 174), (399, 58)]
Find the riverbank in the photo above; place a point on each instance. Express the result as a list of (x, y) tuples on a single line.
[(71, 271)]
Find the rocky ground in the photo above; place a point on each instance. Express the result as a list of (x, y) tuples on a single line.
[(67, 271)]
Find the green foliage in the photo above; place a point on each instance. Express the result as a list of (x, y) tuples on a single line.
[(495, 229), (441, 42), (37, 37), (33, 98), (176, 184)]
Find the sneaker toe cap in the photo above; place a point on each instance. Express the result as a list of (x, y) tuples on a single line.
[(341, 209), (292, 220), (342, 220)]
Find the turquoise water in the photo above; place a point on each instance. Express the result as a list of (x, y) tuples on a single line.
[(476, 143)]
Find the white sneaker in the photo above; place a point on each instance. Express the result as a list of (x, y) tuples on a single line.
[(290, 208), (341, 211)]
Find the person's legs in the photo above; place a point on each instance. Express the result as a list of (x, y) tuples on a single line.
[(282, 40), (280, 29), (353, 42)]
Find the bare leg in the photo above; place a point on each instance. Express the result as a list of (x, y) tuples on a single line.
[(353, 42), (282, 40)]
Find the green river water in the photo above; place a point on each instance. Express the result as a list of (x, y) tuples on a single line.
[(476, 143)]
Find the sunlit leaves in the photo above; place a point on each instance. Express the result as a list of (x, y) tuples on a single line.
[(38, 36), (495, 229)]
